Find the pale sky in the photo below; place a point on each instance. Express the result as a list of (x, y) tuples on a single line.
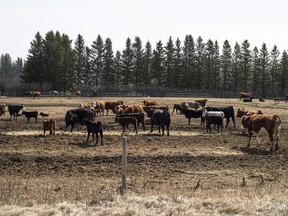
[(258, 21)]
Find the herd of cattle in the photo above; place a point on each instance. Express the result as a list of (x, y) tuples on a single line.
[(157, 115)]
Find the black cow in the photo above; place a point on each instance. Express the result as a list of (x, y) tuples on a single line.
[(14, 110), (189, 113), (76, 116), (94, 128), (228, 112), (138, 116), (177, 107), (161, 118), (30, 114)]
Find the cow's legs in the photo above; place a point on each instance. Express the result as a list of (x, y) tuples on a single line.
[(258, 142)]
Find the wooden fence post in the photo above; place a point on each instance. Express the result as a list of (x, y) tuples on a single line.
[(124, 163)]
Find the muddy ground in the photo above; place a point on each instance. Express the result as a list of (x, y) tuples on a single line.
[(65, 166)]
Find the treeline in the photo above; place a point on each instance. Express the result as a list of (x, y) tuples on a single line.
[(55, 62), (9, 72)]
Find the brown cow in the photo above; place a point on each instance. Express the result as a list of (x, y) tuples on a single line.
[(242, 112), (148, 108), (111, 105), (245, 95), (132, 109), (202, 102), (272, 125), (49, 125), (150, 102), (99, 106), (36, 94)]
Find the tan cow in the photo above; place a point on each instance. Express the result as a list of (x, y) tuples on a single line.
[(49, 125), (271, 123)]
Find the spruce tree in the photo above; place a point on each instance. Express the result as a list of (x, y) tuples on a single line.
[(200, 55), (275, 70), (189, 59), (177, 75), (128, 64), (208, 65), (255, 71), (138, 69), (147, 61), (118, 69), (157, 67), (80, 61), (169, 65), (284, 73), (264, 73), (108, 76), (97, 49), (215, 75), (236, 72), (226, 60), (245, 64), (34, 66)]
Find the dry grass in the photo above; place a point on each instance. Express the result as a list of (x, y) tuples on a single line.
[(177, 190)]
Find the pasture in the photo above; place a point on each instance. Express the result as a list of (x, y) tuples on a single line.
[(191, 172)]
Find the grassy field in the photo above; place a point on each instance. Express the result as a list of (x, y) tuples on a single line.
[(191, 172)]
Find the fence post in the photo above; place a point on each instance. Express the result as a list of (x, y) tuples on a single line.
[(124, 163)]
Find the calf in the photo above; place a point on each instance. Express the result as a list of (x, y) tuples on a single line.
[(160, 118), (49, 125), (189, 113), (272, 125), (43, 114), (214, 117), (177, 107), (138, 116), (124, 122), (30, 114), (228, 111), (94, 128)]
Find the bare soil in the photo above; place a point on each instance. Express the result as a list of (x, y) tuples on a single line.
[(66, 167)]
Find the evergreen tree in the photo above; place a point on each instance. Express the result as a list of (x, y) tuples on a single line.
[(226, 61), (236, 68), (147, 58), (208, 65), (87, 80), (275, 70), (264, 73), (6, 66), (157, 67), (200, 56), (66, 75), (80, 62), (34, 66), (138, 69), (284, 73), (245, 64), (118, 69), (169, 65), (108, 77), (128, 64), (97, 50), (255, 70), (177, 75), (215, 75), (189, 59)]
